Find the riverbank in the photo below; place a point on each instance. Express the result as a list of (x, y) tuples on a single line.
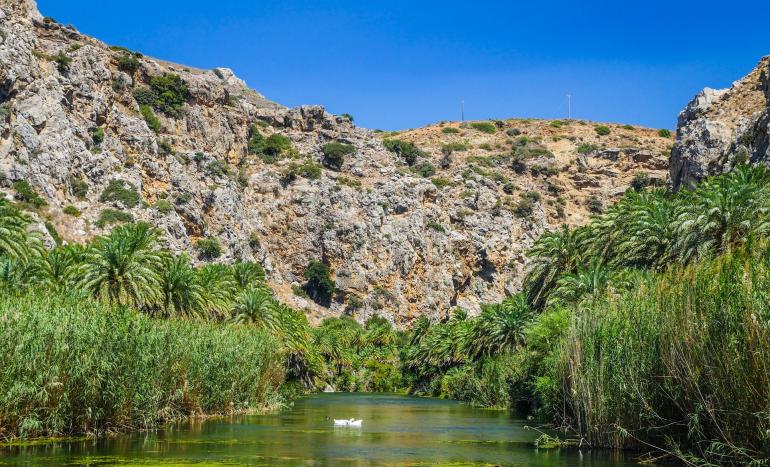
[(73, 366)]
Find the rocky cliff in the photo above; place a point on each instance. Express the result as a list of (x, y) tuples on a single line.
[(720, 128), (105, 135)]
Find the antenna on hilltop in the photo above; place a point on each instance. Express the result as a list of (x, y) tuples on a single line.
[(462, 110), (569, 106)]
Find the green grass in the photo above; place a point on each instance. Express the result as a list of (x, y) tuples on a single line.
[(71, 366)]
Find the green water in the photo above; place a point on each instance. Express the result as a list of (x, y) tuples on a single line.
[(397, 430)]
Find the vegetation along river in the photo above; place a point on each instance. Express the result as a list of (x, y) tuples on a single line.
[(397, 430)]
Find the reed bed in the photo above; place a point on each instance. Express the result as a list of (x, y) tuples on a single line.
[(69, 365), (681, 363)]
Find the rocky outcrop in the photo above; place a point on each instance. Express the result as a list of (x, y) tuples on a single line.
[(721, 128), (399, 242)]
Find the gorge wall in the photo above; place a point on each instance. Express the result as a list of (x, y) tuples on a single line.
[(721, 128), (450, 229)]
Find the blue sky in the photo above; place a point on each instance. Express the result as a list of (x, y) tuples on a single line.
[(401, 64)]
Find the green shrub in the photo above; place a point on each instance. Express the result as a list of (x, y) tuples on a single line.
[(484, 127), (270, 149), (149, 116), (5, 111), (335, 152), (456, 146), (217, 168), (435, 226), (347, 181), (595, 205), (128, 63), (602, 130), (78, 187), (71, 210), (320, 286), (63, 62), (586, 148), (526, 205), (513, 132), (404, 149), (171, 92), (97, 135), (450, 130), (628, 127), (441, 182), (307, 169), (163, 206), (165, 147), (209, 247), (640, 181), (109, 216), (424, 169), (167, 93), (347, 116), (26, 194), (556, 124), (664, 133), (121, 191)]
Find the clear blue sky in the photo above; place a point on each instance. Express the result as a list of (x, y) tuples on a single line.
[(398, 64)]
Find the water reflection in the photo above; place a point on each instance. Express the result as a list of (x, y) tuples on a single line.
[(397, 430)]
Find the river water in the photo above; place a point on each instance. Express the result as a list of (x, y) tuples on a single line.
[(397, 430)]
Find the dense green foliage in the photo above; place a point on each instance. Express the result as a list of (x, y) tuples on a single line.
[(404, 149), (153, 123), (167, 93), (320, 286), (335, 152), (121, 191), (270, 149)]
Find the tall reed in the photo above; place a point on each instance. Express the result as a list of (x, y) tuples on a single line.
[(681, 363), (69, 365)]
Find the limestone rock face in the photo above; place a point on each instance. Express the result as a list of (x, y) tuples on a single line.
[(399, 243), (720, 128)]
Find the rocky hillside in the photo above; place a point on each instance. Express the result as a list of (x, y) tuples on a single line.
[(93, 135), (720, 128)]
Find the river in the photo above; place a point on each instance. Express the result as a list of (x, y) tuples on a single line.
[(397, 430)]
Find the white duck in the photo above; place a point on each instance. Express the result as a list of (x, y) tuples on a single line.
[(351, 422)]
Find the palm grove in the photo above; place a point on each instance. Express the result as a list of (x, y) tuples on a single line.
[(647, 328)]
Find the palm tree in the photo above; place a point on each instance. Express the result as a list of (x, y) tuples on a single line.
[(500, 327), (592, 281), (419, 330), (123, 267), (181, 291), (723, 212), (248, 274), (55, 268), (646, 229), (379, 332), (13, 273), (553, 254), (16, 241), (219, 288), (257, 306)]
